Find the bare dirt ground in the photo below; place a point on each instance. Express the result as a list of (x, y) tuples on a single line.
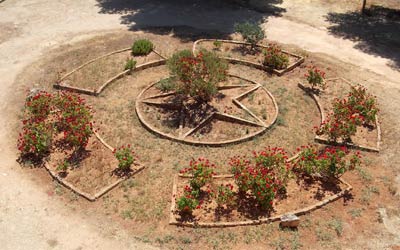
[(30, 217)]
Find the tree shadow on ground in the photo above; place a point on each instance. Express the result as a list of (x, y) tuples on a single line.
[(377, 31), (216, 17)]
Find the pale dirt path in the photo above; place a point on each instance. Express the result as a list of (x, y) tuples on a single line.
[(29, 218)]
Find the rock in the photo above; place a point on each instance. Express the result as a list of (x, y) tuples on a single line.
[(290, 220), (34, 91)]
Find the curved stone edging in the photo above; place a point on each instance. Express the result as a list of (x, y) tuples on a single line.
[(109, 81), (323, 117), (95, 92), (298, 212), (210, 143), (253, 64), (91, 197)]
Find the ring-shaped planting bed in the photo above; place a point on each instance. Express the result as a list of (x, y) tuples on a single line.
[(241, 110)]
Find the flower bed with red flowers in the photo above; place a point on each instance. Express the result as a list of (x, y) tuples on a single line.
[(58, 131), (262, 184), (350, 119)]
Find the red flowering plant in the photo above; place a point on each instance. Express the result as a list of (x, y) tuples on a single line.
[(187, 202), (125, 156), (224, 195), (74, 119), (264, 174), (358, 109), (197, 76), (315, 77), (336, 126), (39, 106), (35, 139), (275, 58), (329, 162), (201, 172), (363, 104)]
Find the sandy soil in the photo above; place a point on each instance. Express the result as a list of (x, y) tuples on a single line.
[(30, 217)]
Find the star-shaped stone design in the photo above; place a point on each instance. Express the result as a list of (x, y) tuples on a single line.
[(225, 106)]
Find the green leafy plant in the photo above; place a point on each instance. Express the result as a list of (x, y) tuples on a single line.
[(187, 202), (130, 64), (197, 76), (166, 85), (142, 47), (275, 58), (251, 33), (315, 77), (125, 156), (201, 172)]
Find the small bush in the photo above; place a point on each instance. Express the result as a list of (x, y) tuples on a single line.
[(201, 171), (315, 77), (329, 162), (130, 64), (197, 76), (264, 174), (188, 201), (166, 85), (39, 106), (35, 139), (359, 108), (251, 32), (74, 119), (142, 47), (225, 195), (125, 156), (275, 58)]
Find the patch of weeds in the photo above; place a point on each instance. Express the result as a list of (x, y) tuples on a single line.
[(323, 235), (367, 193), (280, 121), (128, 184), (306, 223), (143, 239), (58, 189), (185, 240), (251, 97), (166, 239), (355, 213), (295, 241), (253, 235), (280, 91), (279, 244), (127, 214), (337, 225), (366, 176)]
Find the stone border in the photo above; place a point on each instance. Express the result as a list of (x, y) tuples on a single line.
[(322, 140), (298, 212), (96, 92), (299, 61), (210, 143), (91, 197)]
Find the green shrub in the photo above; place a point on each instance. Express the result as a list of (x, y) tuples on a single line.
[(130, 64), (251, 32), (142, 47), (125, 156), (197, 76), (166, 85)]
